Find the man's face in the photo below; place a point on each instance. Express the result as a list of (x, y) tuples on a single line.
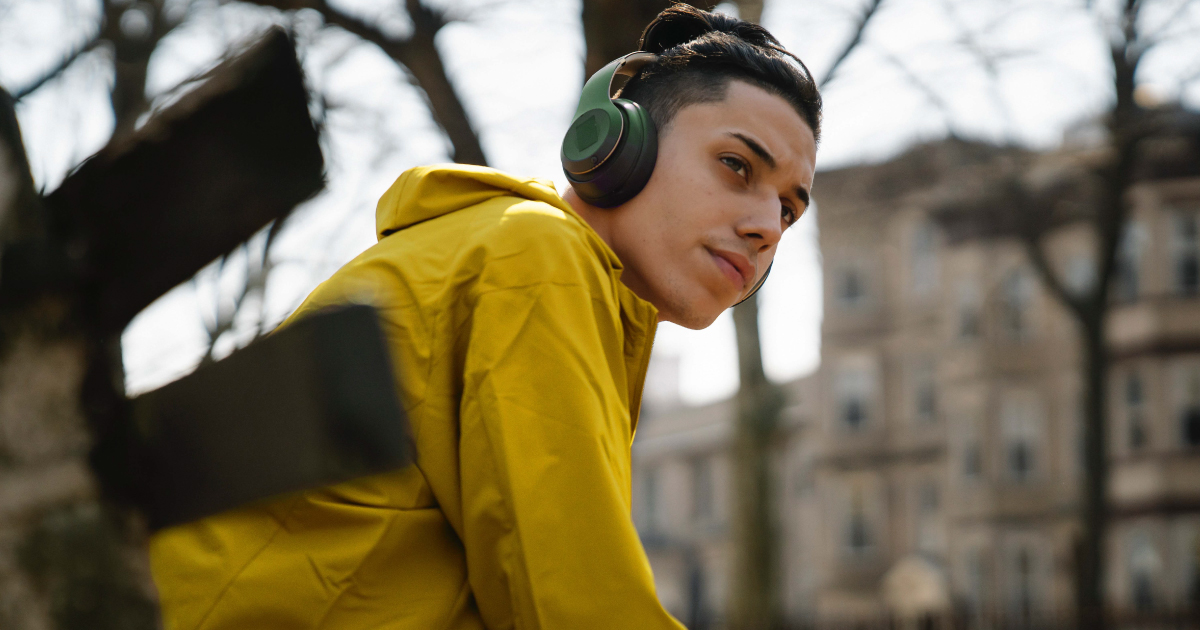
[(731, 176)]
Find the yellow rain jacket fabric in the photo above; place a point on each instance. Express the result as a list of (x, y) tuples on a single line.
[(520, 359)]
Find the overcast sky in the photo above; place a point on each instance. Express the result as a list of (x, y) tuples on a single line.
[(518, 66)]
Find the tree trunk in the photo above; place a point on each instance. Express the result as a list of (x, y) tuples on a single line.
[(755, 602), (1094, 511), (612, 28), (65, 561)]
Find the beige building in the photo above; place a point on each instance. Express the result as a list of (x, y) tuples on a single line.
[(931, 465)]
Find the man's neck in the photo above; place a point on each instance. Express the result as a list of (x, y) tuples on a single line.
[(597, 217)]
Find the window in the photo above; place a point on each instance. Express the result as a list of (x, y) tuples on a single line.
[(972, 461), (924, 394), (976, 580), (923, 263), (927, 498), (854, 390), (970, 457), (702, 489), (1022, 598), (968, 311), (1081, 273), (1186, 254), (1020, 459), (851, 287), (1189, 407), (1135, 411), (1144, 564), (1187, 550), (858, 534), (1016, 300), (927, 521), (1128, 269), (1020, 420), (1191, 425)]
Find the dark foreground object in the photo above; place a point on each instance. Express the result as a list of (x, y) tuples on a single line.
[(149, 210), (310, 405)]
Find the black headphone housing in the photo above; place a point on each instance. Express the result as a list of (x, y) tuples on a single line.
[(610, 149)]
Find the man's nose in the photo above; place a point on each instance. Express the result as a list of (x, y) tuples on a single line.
[(762, 225)]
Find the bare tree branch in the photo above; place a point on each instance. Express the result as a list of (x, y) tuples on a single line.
[(131, 56), (1160, 34), (1035, 250), (419, 55), (860, 27), (931, 94), (58, 69)]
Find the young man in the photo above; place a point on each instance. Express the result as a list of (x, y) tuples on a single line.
[(521, 323)]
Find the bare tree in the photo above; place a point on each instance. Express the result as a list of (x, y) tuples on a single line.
[(1098, 194), (131, 32)]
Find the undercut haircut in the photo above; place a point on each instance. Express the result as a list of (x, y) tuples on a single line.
[(700, 52)]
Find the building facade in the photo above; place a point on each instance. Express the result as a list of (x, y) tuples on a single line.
[(932, 465)]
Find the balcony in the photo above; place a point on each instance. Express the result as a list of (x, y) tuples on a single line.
[(1162, 482), (1157, 324)]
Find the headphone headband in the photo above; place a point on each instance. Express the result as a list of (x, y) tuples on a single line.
[(599, 90)]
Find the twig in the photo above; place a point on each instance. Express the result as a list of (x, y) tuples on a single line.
[(860, 26), (58, 69)]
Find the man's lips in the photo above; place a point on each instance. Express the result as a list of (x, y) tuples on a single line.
[(735, 266)]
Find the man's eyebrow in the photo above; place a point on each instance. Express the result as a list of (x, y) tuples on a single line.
[(766, 157), (803, 195), (757, 148)]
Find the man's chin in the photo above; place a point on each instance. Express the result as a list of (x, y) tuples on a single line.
[(692, 318)]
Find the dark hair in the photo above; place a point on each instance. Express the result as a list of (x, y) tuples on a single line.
[(700, 52)]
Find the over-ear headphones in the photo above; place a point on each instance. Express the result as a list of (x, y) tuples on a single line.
[(609, 151), (611, 146)]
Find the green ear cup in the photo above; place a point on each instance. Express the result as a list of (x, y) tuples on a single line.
[(610, 148)]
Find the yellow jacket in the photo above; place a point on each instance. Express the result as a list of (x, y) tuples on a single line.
[(520, 359)]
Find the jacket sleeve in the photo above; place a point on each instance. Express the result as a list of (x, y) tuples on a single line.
[(544, 447)]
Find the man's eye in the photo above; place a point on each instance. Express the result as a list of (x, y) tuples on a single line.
[(735, 165), (789, 215)]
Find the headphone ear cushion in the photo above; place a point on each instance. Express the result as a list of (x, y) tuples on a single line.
[(628, 168)]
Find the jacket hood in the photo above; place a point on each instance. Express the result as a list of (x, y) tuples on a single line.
[(427, 192)]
